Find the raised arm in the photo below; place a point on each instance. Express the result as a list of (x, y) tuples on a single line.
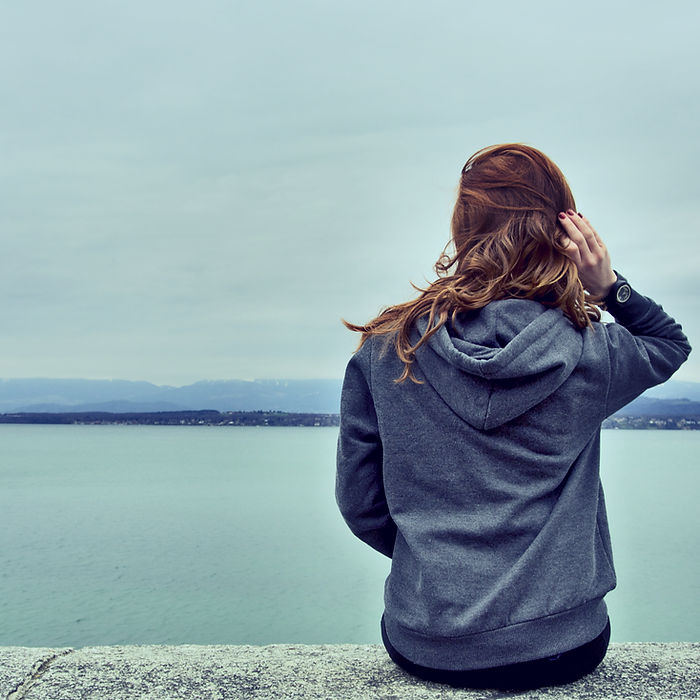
[(646, 346)]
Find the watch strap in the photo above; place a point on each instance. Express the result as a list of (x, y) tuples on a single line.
[(620, 293)]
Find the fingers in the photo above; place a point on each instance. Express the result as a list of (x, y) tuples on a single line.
[(573, 240), (592, 237), (580, 232), (588, 252), (571, 250)]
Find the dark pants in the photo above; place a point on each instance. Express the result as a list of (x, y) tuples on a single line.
[(555, 670)]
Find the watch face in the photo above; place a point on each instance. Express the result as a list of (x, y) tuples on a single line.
[(623, 293)]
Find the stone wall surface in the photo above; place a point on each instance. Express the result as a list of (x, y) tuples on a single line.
[(641, 671)]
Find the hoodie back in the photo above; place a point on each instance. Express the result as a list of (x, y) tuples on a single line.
[(481, 481)]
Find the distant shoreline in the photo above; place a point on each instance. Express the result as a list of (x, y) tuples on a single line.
[(283, 419), (213, 418)]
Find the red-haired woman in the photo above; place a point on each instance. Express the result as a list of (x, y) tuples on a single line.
[(470, 427)]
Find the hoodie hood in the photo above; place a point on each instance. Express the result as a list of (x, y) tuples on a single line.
[(493, 365)]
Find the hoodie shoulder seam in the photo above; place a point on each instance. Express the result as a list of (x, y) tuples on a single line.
[(608, 379)]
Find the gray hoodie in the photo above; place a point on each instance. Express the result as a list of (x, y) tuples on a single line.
[(482, 481)]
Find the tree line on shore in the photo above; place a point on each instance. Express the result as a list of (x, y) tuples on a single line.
[(204, 417)]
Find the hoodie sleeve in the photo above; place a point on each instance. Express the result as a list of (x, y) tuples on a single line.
[(646, 347), (359, 488)]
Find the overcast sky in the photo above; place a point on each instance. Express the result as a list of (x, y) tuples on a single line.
[(201, 190)]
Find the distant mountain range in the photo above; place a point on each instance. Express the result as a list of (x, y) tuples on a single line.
[(290, 395), (122, 396)]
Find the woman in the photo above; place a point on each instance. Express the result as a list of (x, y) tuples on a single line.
[(470, 426)]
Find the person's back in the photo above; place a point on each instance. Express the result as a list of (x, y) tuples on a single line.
[(478, 473)]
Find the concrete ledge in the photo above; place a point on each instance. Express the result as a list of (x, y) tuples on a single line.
[(295, 671)]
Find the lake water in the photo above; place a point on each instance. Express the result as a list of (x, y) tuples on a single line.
[(138, 534)]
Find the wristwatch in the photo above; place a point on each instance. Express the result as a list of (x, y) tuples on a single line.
[(620, 292)]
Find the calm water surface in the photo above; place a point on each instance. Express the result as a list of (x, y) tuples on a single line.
[(140, 534)]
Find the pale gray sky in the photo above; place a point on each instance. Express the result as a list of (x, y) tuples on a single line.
[(198, 190)]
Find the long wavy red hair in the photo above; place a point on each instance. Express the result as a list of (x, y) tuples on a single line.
[(506, 243)]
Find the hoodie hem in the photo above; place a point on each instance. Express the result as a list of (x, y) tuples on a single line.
[(524, 641)]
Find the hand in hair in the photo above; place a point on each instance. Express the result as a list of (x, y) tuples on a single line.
[(586, 248)]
